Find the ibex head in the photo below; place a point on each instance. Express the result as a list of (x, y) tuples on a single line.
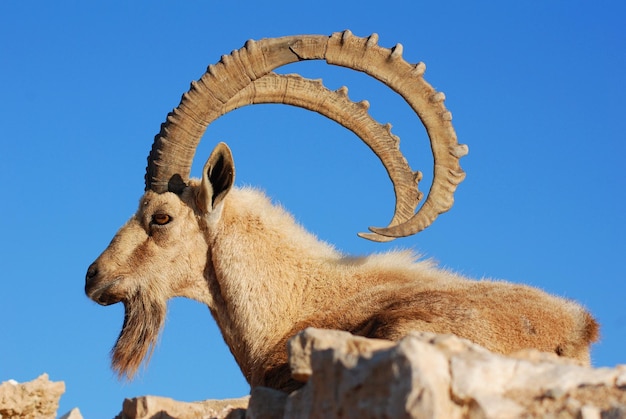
[(165, 247)]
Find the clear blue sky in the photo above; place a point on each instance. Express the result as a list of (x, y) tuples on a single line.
[(537, 91)]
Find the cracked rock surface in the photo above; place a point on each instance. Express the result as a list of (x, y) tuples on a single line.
[(422, 376), (442, 376), (35, 399)]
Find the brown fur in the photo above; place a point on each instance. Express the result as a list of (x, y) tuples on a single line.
[(264, 278)]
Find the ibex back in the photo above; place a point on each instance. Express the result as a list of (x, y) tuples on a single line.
[(264, 277)]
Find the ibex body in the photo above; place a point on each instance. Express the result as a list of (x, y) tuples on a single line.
[(264, 277)]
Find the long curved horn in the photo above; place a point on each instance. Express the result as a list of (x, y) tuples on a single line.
[(169, 163)]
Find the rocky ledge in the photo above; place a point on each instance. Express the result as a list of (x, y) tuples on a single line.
[(422, 376)]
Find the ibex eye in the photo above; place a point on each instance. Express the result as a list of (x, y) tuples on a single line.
[(161, 219)]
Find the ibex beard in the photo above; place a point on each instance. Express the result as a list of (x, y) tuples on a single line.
[(144, 317)]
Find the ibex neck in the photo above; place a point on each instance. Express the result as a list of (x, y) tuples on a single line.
[(265, 264)]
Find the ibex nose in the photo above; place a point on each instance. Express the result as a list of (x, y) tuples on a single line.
[(92, 272)]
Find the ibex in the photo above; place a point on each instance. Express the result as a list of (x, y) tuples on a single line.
[(264, 277)]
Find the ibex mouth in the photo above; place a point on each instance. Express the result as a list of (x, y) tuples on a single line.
[(107, 300), (100, 295)]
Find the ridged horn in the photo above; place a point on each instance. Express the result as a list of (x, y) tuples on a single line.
[(292, 89), (388, 66), (221, 89), (169, 161)]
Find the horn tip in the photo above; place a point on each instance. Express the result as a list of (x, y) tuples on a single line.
[(375, 237)]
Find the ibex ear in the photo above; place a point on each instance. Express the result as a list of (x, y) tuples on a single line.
[(218, 177)]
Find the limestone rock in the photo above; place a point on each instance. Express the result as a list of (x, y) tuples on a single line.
[(423, 375), (152, 407), (72, 414), (35, 399), (302, 347), (266, 403), (438, 376)]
